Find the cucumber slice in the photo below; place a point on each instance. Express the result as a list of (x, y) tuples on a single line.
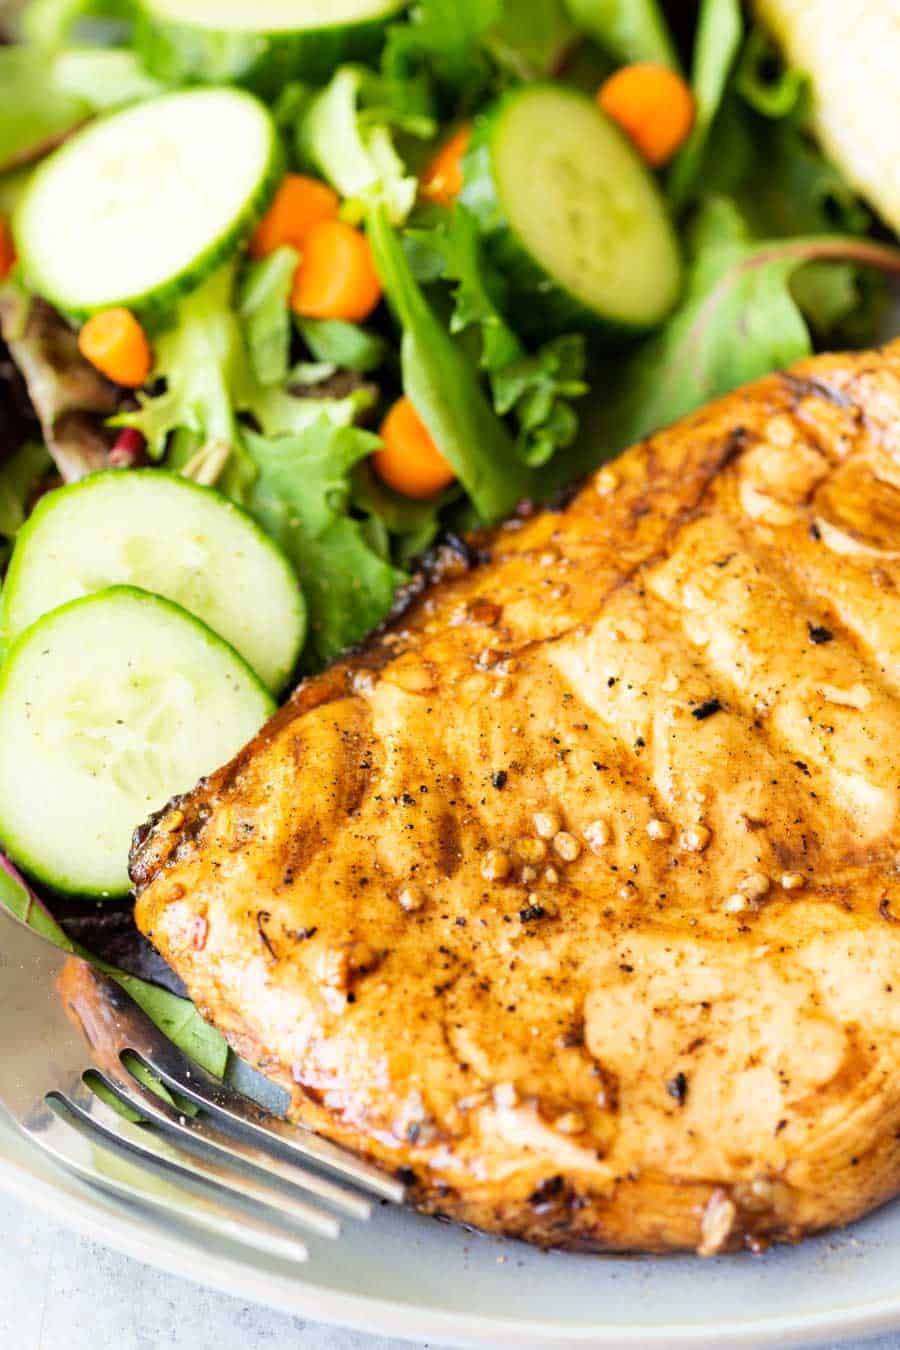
[(260, 45), (572, 215), (142, 205), (151, 529), (109, 706)]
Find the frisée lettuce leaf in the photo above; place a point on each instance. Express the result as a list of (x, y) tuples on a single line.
[(300, 496), (210, 362), (534, 387)]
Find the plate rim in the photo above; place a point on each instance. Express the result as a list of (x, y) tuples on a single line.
[(141, 1238)]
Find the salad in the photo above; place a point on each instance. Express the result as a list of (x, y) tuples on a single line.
[(294, 292)]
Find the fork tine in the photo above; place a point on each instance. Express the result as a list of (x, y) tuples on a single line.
[(80, 1150), (234, 1111), (148, 1144), (195, 1130)]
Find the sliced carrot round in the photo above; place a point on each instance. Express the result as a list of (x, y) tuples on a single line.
[(442, 178), (7, 249), (410, 462), (299, 203), (653, 106), (117, 345), (336, 278)]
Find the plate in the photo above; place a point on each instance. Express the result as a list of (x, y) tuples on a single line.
[(407, 1276)]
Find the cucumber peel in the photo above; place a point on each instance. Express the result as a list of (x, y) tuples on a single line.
[(164, 534), (260, 46)]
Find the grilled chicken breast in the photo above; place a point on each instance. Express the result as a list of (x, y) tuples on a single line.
[(574, 898)]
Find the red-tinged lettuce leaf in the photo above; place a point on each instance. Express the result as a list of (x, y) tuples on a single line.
[(738, 321), (71, 399), (106, 928)]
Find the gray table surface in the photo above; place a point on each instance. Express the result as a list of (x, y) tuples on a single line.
[(58, 1290)]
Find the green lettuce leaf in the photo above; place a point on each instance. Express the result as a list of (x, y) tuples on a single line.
[(443, 42), (301, 496), (34, 114), (718, 38), (630, 30), (47, 95), (263, 298), (531, 38), (279, 412), (343, 346), (792, 189), (353, 152), (176, 1018), (444, 386), (537, 390), (760, 153), (411, 525), (209, 380)]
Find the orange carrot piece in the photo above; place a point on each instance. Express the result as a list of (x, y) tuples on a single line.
[(410, 462), (299, 203), (653, 106), (7, 250), (442, 178), (117, 345), (336, 278)]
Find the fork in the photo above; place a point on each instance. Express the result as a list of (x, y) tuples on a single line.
[(230, 1166)]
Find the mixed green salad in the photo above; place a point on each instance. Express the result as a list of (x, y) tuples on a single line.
[(294, 290)]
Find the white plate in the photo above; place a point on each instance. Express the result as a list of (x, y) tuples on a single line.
[(404, 1275)]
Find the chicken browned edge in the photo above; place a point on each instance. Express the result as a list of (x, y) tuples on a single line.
[(573, 898)]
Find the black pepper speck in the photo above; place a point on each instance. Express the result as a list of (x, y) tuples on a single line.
[(677, 1088), (707, 709)]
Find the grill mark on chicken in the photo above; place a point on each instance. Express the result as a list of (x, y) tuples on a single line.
[(864, 637), (809, 387), (708, 900), (779, 678), (681, 763)]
